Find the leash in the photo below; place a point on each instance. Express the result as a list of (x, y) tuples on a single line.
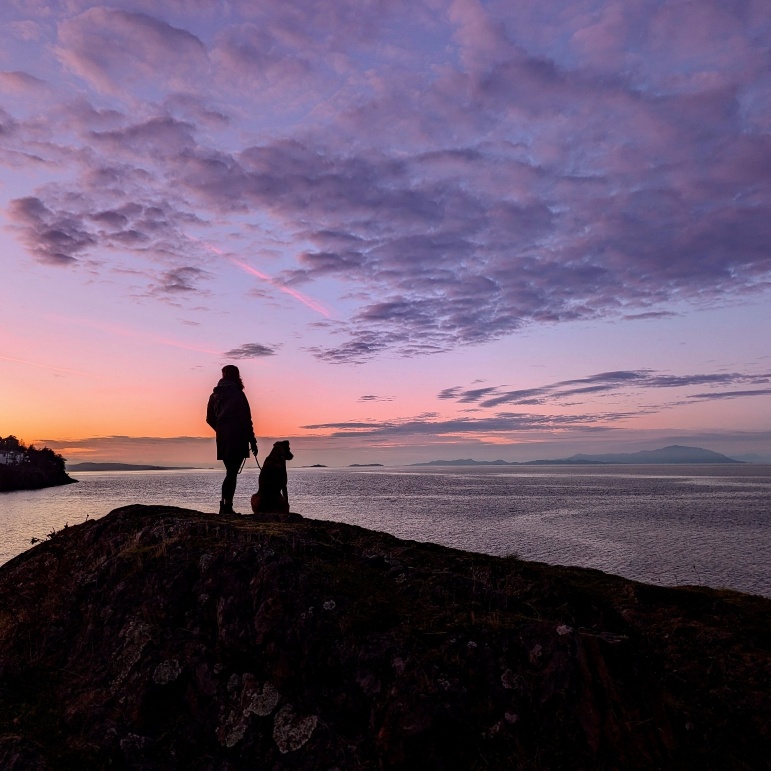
[(244, 463)]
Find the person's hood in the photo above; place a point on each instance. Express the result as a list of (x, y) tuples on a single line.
[(225, 386)]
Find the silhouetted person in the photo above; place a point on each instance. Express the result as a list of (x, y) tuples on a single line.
[(229, 415)]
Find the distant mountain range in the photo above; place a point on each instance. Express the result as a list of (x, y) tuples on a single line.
[(673, 454)]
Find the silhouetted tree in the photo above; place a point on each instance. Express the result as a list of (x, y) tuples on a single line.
[(45, 459), (11, 443)]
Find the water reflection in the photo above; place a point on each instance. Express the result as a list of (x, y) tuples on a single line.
[(662, 525)]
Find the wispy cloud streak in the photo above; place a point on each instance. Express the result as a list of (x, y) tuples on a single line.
[(307, 301), (38, 365), (244, 266), (605, 382)]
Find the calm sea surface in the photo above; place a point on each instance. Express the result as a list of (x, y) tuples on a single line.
[(660, 524)]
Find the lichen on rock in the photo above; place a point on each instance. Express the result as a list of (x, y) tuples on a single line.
[(167, 672), (290, 731), (136, 635), (263, 701)]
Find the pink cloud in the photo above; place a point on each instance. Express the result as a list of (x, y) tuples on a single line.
[(113, 49), (29, 31), (603, 43), (479, 34), (21, 83)]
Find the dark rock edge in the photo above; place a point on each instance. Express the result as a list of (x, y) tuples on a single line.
[(164, 638)]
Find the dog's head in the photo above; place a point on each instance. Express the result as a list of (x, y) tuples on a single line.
[(281, 449)]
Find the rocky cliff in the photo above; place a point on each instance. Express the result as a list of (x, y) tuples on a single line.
[(162, 638), (24, 478)]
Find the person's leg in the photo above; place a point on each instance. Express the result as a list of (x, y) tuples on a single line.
[(232, 467)]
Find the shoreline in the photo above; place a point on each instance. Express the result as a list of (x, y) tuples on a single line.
[(31, 479)]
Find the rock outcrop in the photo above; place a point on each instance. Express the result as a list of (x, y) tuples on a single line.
[(162, 638), (32, 469), (21, 478)]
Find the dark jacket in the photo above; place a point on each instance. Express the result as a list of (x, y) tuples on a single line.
[(229, 415)]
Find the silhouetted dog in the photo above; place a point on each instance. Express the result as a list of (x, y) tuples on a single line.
[(271, 495)]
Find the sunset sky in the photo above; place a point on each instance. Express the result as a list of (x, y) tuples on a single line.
[(438, 229)]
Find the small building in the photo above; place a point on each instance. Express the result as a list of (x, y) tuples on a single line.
[(12, 457)]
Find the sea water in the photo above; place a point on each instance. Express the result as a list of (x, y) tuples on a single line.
[(667, 525)]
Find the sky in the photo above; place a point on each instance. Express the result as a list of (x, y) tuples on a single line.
[(422, 230)]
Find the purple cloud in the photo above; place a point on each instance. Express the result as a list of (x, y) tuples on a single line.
[(154, 137), (21, 83), (113, 49), (461, 174), (54, 238), (430, 425), (181, 279), (250, 351), (620, 381), (730, 394)]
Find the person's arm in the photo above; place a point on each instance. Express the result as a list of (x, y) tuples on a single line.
[(211, 417), (248, 420)]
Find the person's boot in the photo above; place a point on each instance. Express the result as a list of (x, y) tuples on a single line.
[(226, 508)]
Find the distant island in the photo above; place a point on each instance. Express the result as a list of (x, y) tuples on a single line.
[(315, 465), (27, 468), (467, 462), (675, 453), (89, 466), (363, 465), (672, 455)]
